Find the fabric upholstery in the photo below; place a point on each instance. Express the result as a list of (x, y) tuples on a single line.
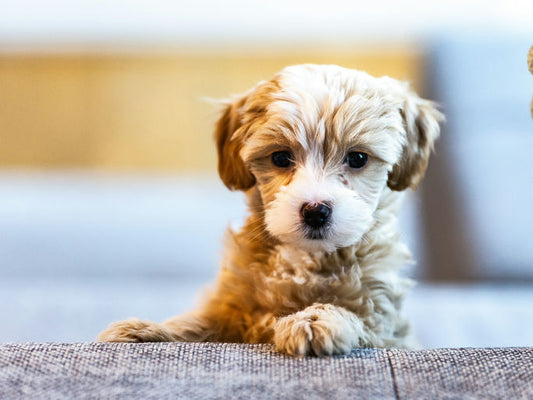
[(237, 371)]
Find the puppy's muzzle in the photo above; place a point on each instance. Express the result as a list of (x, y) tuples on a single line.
[(315, 215)]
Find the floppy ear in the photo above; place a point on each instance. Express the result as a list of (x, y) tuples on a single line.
[(421, 123), (231, 168)]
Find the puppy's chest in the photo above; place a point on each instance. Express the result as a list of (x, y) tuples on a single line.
[(298, 277)]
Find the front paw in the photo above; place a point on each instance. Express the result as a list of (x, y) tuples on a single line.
[(134, 330), (321, 330)]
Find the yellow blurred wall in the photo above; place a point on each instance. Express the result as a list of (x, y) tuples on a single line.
[(144, 111)]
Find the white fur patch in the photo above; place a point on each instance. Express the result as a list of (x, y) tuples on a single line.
[(351, 215)]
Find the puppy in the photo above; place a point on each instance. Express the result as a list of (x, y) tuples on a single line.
[(323, 154)]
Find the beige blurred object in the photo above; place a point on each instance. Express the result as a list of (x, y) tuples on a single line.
[(530, 65), (530, 59), (144, 111)]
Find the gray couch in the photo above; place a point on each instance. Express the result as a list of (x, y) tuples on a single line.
[(222, 371)]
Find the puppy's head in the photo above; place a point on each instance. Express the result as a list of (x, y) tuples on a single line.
[(319, 145)]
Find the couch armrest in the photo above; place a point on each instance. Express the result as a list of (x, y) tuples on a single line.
[(217, 370)]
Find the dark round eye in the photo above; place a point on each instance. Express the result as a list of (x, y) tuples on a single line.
[(356, 159), (282, 159)]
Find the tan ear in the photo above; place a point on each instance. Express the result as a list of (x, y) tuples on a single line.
[(421, 122), (231, 168)]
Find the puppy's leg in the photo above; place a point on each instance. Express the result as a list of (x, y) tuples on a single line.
[(136, 330), (320, 329), (194, 326), (188, 328)]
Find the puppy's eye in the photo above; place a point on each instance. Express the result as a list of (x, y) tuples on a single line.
[(282, 159), (356, 159)]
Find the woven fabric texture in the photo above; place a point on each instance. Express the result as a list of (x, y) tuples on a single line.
[(240, 371)]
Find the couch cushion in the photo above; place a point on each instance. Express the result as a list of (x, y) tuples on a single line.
[(216, 370)]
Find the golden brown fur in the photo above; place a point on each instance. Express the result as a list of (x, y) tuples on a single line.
[(277, 285)]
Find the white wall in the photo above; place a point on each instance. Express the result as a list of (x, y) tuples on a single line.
[(104, 23)]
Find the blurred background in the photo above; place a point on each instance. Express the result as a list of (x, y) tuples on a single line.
[(110, 205)]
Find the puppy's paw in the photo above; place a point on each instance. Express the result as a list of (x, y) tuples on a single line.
[(321, 330), (134, 330)]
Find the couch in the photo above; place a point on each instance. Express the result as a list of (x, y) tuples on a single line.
[(223, 371)]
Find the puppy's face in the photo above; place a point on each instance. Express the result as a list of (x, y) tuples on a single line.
[(319, 145)]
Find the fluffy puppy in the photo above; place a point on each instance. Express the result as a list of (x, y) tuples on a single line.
[(323, 154)]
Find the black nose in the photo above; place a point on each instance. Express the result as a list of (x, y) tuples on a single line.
[(315, 214)]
